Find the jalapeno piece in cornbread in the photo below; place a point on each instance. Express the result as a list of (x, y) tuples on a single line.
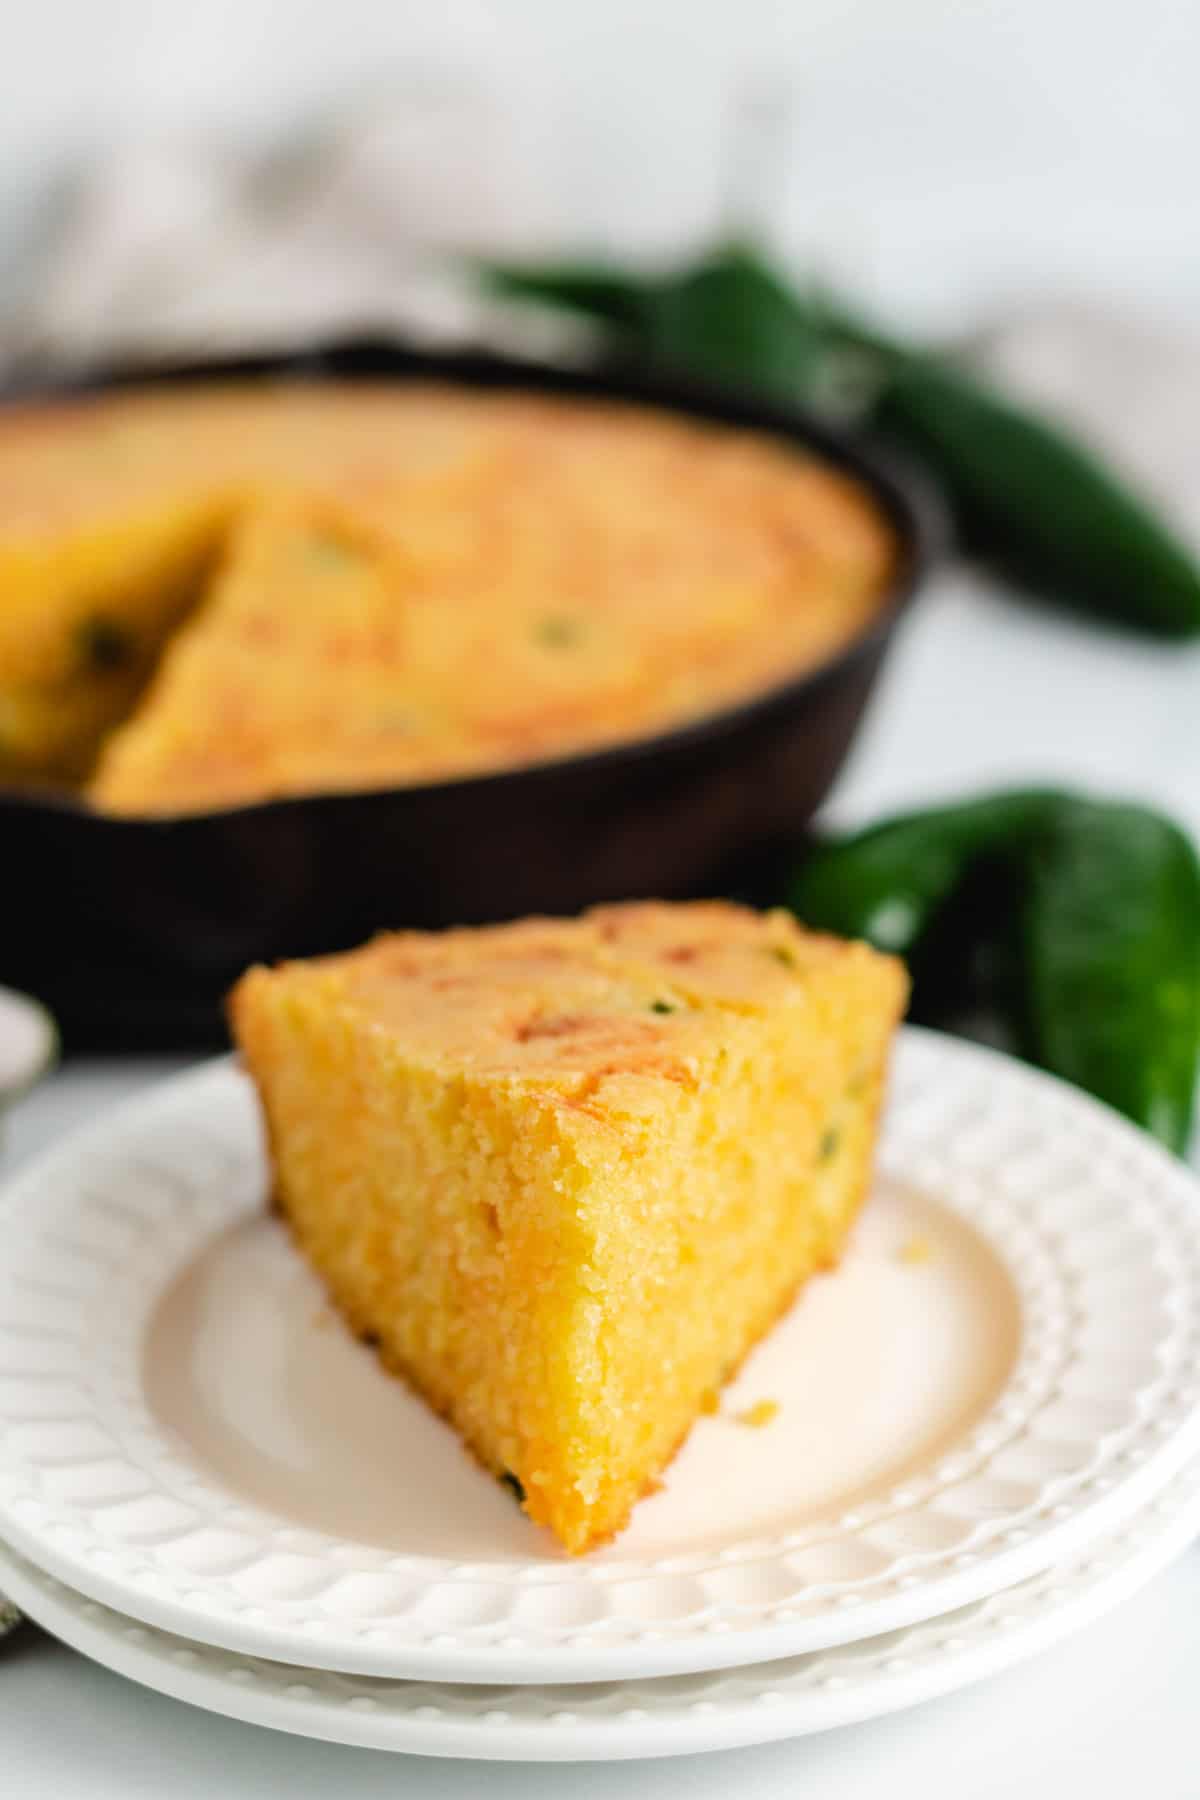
[(565, 1173), (111, 510)]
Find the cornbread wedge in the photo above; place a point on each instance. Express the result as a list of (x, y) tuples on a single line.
[(565, 1173)]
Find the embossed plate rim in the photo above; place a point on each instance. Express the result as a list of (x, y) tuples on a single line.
[(717, 1710)]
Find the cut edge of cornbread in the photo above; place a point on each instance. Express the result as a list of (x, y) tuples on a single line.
[(82, 629), (303, 587), (563, 1193)]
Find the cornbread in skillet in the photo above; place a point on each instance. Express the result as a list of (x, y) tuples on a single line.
[(562, 574), (565, 1173)]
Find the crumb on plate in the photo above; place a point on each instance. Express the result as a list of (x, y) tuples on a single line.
[(760, 1414)]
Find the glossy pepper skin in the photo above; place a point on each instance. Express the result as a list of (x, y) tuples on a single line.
[(1096, 927), (1028, 498), (1037, 505), (1112, 961)]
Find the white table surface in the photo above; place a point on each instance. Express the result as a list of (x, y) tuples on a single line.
[(982, 690)]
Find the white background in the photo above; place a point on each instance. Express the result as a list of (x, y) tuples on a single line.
[(948, 152)]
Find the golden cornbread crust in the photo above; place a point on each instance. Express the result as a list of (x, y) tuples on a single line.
[(565, 1174), (412, 582)]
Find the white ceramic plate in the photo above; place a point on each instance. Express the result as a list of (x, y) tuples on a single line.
[(664, 1717), (28, 1041), (189, 1437)]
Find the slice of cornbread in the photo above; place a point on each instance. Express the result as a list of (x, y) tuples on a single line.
[(565, 1173)]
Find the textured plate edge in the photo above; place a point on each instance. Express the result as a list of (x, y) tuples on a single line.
[(689, 1655), (738, 1725)]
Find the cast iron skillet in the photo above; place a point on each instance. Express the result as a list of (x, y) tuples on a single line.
[(131, 930)]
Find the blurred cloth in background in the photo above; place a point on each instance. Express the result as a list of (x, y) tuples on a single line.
[(185, 246)]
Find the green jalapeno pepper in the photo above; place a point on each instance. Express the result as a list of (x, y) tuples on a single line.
[(1089, 910)]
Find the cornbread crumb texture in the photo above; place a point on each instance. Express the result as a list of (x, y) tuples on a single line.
[(444, 581), (567, 1173)]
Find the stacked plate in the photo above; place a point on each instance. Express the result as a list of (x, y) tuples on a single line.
[(985, 1431)]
